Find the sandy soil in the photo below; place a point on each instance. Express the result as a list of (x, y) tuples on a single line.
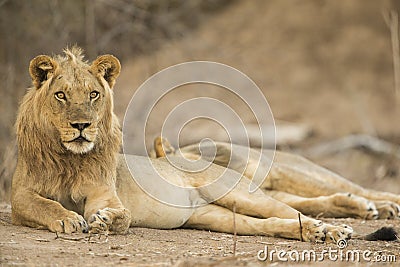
[(181, 247)]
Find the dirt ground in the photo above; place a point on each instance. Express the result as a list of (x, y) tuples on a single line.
[(323, 63), (181, 247)]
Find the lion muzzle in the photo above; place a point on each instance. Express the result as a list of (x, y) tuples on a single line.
[(82, 141)]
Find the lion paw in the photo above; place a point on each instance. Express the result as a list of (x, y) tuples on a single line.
[(97, 224), (109, 219), (314, 231), (336, 233), (388, 209), (355, 206), (72, 223), (319, 232)]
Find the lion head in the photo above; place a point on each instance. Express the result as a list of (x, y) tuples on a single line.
[(74, 97), (66, 122)]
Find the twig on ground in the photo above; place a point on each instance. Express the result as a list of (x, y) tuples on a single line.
[(70, 238), (4, 222), (99, 236), (42, 240), (301, 228), (84, 238), (38, 239), (109, 254), (234, 229)]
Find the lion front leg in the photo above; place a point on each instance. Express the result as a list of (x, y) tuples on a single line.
[(109, 219), (105, 212), (31, 209)]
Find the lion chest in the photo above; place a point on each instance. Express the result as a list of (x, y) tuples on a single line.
[(70, 204), (66, 199)]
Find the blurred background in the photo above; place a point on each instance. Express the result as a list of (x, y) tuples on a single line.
[(326, 67)]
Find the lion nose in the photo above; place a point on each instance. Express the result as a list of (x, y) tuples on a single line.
[(80, 126)]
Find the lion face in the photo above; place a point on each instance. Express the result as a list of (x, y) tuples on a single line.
[(78, 96), (77, 106)]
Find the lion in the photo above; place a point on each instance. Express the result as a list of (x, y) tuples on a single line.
[(70, 176), (68, 138), (326, 193)]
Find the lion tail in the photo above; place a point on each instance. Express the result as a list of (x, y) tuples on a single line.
[(382, 234)]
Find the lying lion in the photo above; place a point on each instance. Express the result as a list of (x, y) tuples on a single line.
[(326, 195), (70, 178)]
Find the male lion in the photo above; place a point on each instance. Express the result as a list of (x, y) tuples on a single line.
[(70, 178)]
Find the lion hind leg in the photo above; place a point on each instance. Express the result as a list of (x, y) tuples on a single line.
[(339, 205), (290, 173), (261, 209), (220, 219), (321, 182), (255, 204), (387, 209)]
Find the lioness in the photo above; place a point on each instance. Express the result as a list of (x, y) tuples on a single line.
[(70, 177), (326, 194)]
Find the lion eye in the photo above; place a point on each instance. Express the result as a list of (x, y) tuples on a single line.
[(60, 95), (94, 95)]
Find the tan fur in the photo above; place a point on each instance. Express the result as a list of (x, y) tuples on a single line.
[(46, 168), (70, 178), (303, 185)]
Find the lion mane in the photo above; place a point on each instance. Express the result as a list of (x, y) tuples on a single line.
[(49, 165)]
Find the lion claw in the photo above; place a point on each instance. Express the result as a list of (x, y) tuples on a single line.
[(70, 224), (98, 224)]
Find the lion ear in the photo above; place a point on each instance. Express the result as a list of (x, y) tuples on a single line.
[(107, 67), (40, 69)]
